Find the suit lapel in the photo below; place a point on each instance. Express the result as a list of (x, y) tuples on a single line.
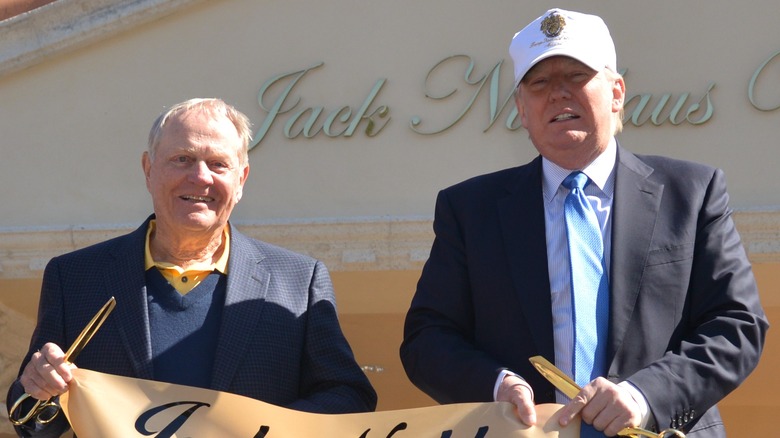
[(635, 209), (247, 284), (125, 279), (522, 226)]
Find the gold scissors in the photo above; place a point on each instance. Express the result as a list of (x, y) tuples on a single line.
[(74, 350), (569, 387)]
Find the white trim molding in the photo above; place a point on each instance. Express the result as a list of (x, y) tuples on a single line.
[(65, 25), (372, 244), (348, 245)]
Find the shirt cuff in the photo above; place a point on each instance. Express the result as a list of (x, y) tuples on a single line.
[(500, 379), (641, 401)]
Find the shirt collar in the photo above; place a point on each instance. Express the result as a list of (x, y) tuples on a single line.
[(599, 172), (220, 265)]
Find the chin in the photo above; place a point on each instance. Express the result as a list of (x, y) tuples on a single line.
[(195, 221)]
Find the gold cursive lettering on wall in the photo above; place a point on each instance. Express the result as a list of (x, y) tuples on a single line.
[(681, 111), (340, 122), (443, 82), (752, 85), (635, 106), (496, 105)]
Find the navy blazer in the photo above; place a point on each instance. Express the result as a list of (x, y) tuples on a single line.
[(686, 325), (279, 338)]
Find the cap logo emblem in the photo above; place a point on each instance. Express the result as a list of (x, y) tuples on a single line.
[(552, 25)]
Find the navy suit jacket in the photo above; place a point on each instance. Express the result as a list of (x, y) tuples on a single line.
[(279, 338), (686, 324)]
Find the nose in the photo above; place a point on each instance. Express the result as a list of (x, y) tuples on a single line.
[(201, 173), (560, 90)]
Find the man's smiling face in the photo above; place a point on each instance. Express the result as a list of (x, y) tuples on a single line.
[(569, 109), (196, 176)]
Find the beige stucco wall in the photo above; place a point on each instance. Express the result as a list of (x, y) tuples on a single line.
[(74, 125), (82, 80)]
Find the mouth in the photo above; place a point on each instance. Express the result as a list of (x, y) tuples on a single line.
[(564, 117), (192, 198)]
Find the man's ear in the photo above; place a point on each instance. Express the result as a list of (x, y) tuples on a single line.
[(146, 165), (618, 94), (244, 176)]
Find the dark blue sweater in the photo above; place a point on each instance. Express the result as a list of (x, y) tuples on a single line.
[(184, 328)]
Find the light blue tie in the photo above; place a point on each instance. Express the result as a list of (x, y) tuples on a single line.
[(590, 291)]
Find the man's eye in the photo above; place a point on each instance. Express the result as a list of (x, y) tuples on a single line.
[(579, 76), (181, 159)]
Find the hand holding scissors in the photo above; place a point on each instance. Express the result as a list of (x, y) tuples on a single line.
[(566, 385), (40, 406)]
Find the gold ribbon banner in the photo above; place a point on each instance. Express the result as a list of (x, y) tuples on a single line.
[(102, 405)]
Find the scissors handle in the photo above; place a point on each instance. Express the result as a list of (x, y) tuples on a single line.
[(639, 432), (74, 350), (36, 411)]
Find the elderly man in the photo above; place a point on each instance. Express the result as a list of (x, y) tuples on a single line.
[(624, 270), (198, 303)]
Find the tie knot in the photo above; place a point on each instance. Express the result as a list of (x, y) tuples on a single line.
[(576, 180)]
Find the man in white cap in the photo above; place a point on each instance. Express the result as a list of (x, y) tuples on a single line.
[(624, 270)]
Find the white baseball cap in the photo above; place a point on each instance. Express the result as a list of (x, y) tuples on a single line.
[(580, 36)]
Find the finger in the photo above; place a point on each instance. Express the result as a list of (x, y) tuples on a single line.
[(34, 383), (604, 411), (568, 413), (33, 388), (47, 374), (575, 406), (50, 381), (613, 428), (603, 421), (56, 358), (525, 409), (515, 390)]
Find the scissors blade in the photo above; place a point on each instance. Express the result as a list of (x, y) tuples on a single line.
[(90, 330), (557, 377)]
